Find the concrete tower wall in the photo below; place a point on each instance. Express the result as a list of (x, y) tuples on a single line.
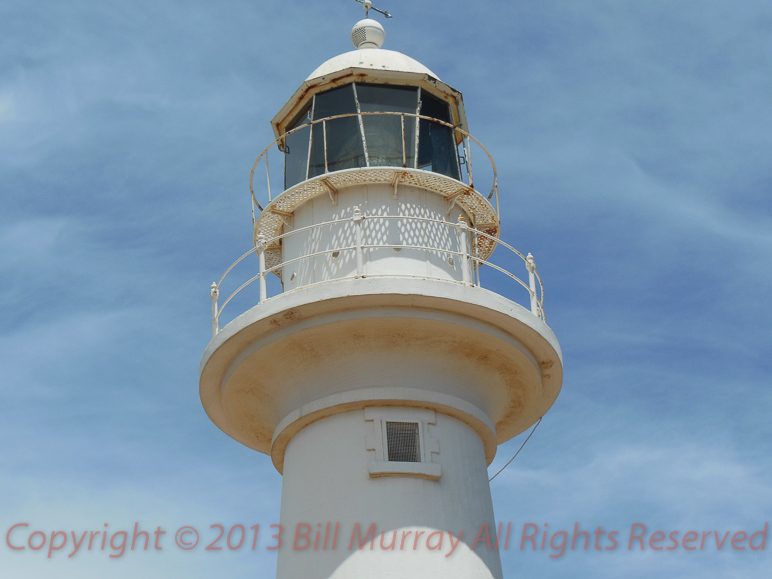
[(332, 473)]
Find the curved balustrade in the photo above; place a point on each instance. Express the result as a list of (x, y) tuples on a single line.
[(402, 149), (363, 248)]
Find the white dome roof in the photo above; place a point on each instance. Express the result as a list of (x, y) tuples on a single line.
[(374, 58)]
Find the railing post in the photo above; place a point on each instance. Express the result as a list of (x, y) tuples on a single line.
[(469, 162), (357, 218), (214, 293), (463, 247), (404, 153), (261, 258), (268, 178), (324, 136), (530, 265), (478, 263)]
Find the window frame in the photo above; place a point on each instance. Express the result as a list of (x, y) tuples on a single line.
[(377, 443), (309, 114)]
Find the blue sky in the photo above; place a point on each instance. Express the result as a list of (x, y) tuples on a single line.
[(633, 141)]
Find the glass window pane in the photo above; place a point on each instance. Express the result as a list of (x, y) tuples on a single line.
[(437, 150), (435, 108), (296, 157), (344, 140), (337, 101), (384, 133), (296, 150), (344, 146), (397, 99)]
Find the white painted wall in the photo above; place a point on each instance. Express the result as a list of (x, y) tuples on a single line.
[(373, 201), (326, 479)]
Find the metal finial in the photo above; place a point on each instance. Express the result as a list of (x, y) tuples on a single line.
[(368, 5)]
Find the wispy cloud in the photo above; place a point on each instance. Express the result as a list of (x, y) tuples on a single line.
[(632, 143)]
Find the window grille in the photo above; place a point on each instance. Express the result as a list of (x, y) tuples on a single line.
[(403, 442)]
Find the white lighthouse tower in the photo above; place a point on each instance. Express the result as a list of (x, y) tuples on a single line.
[(381, 376)]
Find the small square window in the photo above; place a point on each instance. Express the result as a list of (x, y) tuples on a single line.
[(403, 442)]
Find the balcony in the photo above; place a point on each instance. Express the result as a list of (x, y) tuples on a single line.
[(438, 243)]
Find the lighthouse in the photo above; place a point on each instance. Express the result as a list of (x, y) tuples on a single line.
[(374, 365)]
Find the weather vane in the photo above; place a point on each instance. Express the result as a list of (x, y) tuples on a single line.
[(369, 6)]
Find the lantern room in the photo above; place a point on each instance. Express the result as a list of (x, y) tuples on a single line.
[(381, 109)]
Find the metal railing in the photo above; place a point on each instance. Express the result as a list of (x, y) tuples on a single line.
[(462, 155), (467, 238)]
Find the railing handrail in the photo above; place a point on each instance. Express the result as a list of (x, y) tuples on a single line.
[(458, 130), (526, 258), (537, 296)]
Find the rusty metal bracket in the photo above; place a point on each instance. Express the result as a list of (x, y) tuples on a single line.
[(285, 215), (395, 182), (331, 190), (451, 199)]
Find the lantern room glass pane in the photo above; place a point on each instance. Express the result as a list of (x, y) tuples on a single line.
[(296, 150), (437, 150), (383, 133), (344, 139)]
